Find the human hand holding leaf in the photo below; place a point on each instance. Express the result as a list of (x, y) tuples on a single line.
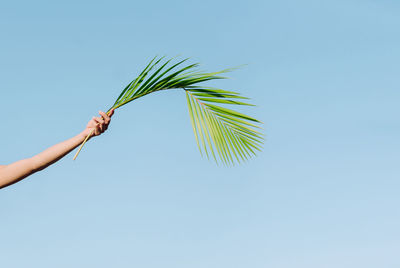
[(226, 135)]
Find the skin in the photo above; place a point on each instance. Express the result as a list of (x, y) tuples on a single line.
[(15, 172)]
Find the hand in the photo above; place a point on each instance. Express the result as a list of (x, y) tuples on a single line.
[(98, 124)]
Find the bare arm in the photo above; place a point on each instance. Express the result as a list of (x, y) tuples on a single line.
[(19, 170)]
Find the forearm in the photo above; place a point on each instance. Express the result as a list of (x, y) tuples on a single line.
[(17, 171), (56, 152)]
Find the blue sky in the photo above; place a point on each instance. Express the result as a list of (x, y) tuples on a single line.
[(323, 193)]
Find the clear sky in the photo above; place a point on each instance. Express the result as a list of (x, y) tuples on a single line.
[(323, 193)]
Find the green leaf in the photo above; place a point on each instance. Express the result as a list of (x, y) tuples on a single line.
[(229, 136), (230, 112), (192, 120), (224, 101)]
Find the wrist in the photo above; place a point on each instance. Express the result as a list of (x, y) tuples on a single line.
[(82, 136)]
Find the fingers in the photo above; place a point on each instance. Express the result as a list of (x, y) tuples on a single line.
[(97, 130), (105, 117), (98, 120), (100, 124)]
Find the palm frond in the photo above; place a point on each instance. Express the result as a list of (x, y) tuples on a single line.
[(233, 135), (226, 135)]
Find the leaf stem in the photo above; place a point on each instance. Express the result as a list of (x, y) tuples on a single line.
[(83, 143)]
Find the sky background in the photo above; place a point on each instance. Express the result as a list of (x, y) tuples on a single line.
[(323, 193)]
